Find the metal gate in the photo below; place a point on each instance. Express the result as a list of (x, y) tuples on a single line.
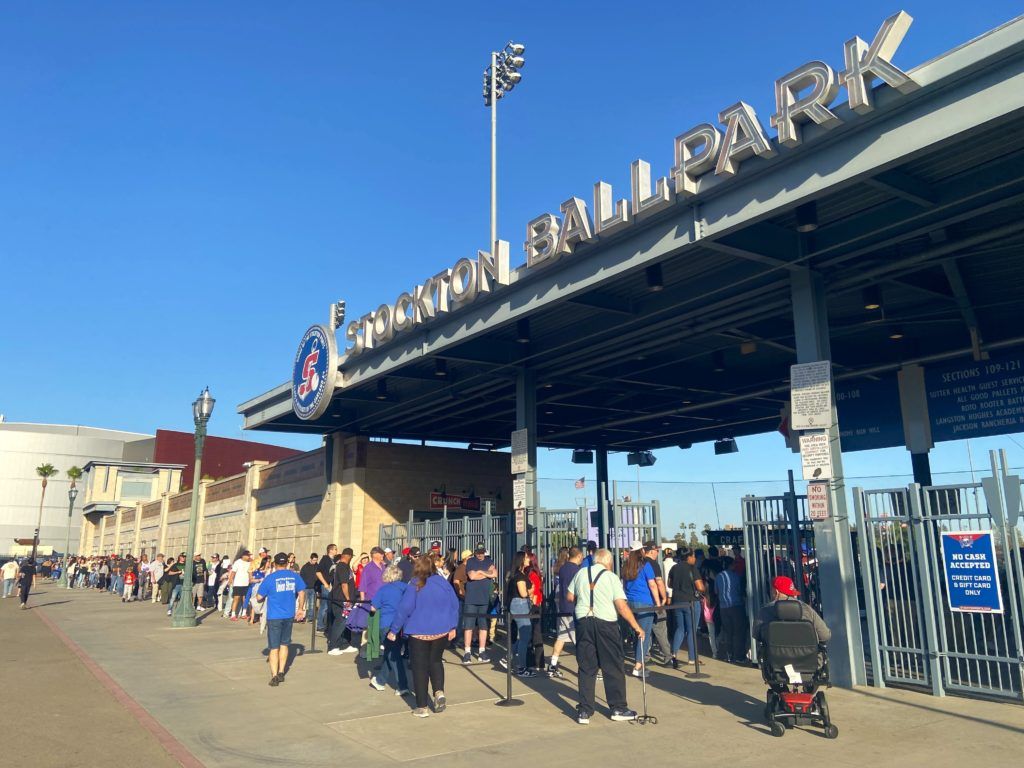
[(914, 637), (458, 533), (778, 540), (632, 521)]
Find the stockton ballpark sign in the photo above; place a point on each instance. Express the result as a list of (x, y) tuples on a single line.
[(805, 95)]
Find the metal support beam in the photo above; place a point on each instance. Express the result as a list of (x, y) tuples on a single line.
[(526, 418), (963, 301), (603, 505), (904, 186), (832, 536)]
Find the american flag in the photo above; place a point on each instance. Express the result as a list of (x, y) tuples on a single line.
[(580, 483)]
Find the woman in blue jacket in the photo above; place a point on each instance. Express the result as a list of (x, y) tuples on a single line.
[(427, 614), (385, 602)]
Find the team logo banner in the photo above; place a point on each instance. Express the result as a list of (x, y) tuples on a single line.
[(314, 373)]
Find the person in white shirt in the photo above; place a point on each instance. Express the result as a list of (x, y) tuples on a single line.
[(224, 586), (239, 582), (9, 571), (156, 572)]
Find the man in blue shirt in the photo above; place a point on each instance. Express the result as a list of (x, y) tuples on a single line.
[(734, 640), (280, 590)]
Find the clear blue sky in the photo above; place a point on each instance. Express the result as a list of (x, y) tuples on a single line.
[(186, 186)]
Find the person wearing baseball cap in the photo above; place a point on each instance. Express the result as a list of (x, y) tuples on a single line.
[(784, 589), (280, 590), (406, 563)]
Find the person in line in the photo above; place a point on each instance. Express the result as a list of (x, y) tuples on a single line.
[(784, 589), (642, 594), (659, 630), (385, 603), (199, 569), (597, 604), (368, 583), (239, 583), (734, 619), (156, 575), (709, 566), (536, 652), (565, 622), (687, 587), (408, 563), (480, 574), (323, 576), (173, 576), (26, 580), (589, 559), (129, 585), (517, 597), (279, 591), (253, 609), (308, 574), (9, 573), (342, 594), (427, 614), (142, 579)]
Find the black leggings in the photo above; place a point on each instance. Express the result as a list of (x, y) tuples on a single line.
[(25, 587), (425, 664)]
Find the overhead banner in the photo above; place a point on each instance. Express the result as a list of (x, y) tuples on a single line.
[(976, 399), (869, 414), (972, 579)]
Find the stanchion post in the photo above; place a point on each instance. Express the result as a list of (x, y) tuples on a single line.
[(508, 701), (312, 633)]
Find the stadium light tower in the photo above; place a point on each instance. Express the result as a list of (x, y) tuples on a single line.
[(501, 77)]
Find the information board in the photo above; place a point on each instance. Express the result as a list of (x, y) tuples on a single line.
[(819, 501), (976, 399), (520, 452), (518, 492), (816, 456), (811, 395), (869, 414), (972, 579)]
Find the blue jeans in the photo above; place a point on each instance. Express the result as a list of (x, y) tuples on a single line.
[(644, 613), (321, 617), (175, 596), (8, 587), (687, 621), (524, 633), (310, 602), (392, 668)]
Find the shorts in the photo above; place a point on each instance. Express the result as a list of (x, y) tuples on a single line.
[(567, 629), (239, 591), (470, 619), (279, 632)]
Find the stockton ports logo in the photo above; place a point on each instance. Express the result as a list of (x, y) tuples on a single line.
[(314, 373), (966, 540)]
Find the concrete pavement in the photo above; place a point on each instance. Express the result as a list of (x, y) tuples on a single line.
[(208, 687)]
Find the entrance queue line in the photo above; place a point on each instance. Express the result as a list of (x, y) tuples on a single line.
[(407, 610)]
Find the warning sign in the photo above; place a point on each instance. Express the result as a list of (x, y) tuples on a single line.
[(811, 395), (520, 520), (816, 456), (819, 501), (518, 492)]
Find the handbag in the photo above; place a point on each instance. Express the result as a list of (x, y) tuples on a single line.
[(708, 611)]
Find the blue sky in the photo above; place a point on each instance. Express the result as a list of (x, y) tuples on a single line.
[(186, 186)]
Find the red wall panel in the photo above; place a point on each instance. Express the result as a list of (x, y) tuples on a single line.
[(222, 456)]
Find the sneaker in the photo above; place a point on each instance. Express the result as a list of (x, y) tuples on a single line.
[(421, 712), (641, 673), (482, 657), (675, 663), (525, 672), (440, 703), (350, 649), (234, 618), (583, 718), (375, 685), (274, 682), (403, 692), (555, 672), (504, 662), (168, 613), (280, 676), (467, 658), (623, 714), (335, 652)]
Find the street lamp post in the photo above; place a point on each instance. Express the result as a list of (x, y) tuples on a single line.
[(185, 610), (500, 78), (72, 493)]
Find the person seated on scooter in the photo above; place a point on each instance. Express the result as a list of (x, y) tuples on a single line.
[(784, 589)]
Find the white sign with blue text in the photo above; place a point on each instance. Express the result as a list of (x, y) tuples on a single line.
[(972, 579)]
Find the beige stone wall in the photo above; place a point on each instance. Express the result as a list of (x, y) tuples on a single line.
[(289, 506)]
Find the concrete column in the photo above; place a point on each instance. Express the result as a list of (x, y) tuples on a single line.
[(250, 504), (118, 518), (200, 515), (331, 527), (917, 426), (137, 536), (526, 418), (831, 537), (165, 505)]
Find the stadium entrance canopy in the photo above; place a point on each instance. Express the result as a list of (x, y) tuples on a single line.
[(881, 228)]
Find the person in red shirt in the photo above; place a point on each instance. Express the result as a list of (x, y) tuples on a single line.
[(129, 585), (536, 604)]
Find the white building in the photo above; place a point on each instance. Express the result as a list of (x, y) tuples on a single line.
[(23, 447)]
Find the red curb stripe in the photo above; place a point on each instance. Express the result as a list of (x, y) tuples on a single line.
[(174, 748)]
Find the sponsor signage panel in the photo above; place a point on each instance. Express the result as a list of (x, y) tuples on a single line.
[(976, 399), (438, 501)]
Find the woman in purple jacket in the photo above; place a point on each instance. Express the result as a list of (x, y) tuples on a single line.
[(427, 614), (369, 584)]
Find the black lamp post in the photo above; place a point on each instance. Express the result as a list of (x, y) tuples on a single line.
[(185, 610), (72, 493)]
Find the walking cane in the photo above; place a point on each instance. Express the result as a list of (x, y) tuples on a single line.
[(645, 718)]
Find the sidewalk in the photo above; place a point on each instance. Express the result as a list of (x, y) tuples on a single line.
[(208, 687)]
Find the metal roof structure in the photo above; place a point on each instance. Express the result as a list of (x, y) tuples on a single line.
[(923, 196)]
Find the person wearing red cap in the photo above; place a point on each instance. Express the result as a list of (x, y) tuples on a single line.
[(785, 590)]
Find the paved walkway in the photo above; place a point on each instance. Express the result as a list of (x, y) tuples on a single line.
[(208, 687)]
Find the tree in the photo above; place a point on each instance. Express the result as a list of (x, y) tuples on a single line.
[(707, 527), (680, 537), (45, 471), (694, 541), (74, 475)]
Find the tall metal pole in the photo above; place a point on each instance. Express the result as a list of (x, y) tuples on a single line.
[(67, 539), (494, 151), (185, 610)]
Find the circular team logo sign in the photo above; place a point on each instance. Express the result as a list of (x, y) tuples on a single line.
[(314, 373)]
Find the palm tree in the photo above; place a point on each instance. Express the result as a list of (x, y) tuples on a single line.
[(45, 471)]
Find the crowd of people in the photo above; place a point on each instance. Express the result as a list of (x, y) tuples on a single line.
[(405, 610)]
